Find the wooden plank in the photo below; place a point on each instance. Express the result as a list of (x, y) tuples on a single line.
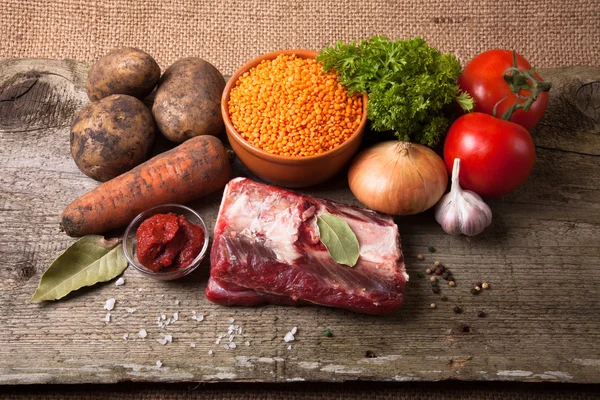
[(540, 255)]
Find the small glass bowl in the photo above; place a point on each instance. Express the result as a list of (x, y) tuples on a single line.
[(130, 241)]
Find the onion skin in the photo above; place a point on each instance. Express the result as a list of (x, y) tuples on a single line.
[(398, 178)]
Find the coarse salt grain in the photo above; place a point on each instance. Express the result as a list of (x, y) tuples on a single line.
[(232, 345), (247, 343), (125, 337), (231, 320), (140, 289), (289, 337), (142, 333), (193, 345), (198, 317), (234, 329), (210, 352), (159, 364), (226, 346), (107, 318), (131, 310), (175, 316), (290, 347), (165, 339), (294, 330), (110, 304), (120, 282), (177, 302)]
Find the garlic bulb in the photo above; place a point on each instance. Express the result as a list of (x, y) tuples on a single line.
[(462, 211)]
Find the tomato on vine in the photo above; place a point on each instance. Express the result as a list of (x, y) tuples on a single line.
[(503, 83), (497, 154)]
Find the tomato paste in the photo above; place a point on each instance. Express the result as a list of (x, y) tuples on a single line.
[(168, 241)]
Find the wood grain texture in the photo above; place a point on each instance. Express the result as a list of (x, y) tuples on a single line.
[(540, 255)]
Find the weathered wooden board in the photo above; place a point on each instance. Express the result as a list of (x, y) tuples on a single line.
[(541, 256)]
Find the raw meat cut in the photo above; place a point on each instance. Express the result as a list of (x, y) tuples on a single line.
[(266, 249)]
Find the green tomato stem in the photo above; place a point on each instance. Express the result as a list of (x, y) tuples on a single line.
[(521, 80)]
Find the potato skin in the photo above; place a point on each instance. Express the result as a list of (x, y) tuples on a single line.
[(188, 100), (126, 70), (112, 136)]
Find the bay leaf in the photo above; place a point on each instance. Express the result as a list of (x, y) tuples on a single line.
[(89, 260), (338, 237)]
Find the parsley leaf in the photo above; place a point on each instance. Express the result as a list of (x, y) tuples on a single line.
[(408, 83)]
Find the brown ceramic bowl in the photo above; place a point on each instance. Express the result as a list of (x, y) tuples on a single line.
[(289, 171)]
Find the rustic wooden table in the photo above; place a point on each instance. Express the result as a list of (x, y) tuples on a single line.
[(540, 255)]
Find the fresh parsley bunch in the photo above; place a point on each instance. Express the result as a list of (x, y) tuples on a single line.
[(408, 83)]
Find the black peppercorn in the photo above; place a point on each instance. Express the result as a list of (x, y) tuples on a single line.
[(445, 276), (436, 289), (370, 354), (464, 328), (474, 291), (481, 314), (457, 309)]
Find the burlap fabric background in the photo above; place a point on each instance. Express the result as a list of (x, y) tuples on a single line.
[(549, 33), (228, 33)]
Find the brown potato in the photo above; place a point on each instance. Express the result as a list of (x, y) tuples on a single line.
[(126, 70), (188, 100), (111, 136)]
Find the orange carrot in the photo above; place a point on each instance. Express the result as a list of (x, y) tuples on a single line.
[(195, 168)]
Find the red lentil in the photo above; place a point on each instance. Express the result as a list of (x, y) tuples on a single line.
[(289, 106)]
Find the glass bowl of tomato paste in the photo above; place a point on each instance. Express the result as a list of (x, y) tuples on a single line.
[(166, 242)]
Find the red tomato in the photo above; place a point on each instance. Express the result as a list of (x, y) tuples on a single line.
[(496, 156), (483, 79)]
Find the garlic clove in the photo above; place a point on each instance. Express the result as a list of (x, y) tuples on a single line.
[(447, 215), (475, 217), (462, 211)]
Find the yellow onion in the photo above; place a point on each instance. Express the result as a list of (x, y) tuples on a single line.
[(399, 178)]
